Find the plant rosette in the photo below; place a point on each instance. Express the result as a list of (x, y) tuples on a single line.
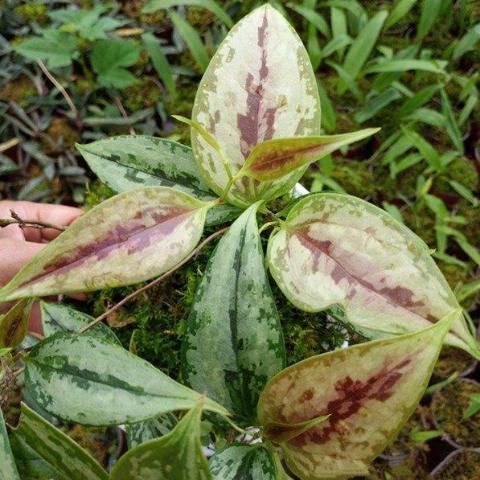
[(255, 130), (449, 406)]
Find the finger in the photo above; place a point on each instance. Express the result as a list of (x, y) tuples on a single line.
[(45, 213), (13, 255)]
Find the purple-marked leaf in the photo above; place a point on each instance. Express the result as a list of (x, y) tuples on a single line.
[(129, 238), (336, 249), (369, 390), (259, 85), (274, 159), (14, 324)]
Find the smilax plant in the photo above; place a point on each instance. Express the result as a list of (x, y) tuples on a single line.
[(255, 129)]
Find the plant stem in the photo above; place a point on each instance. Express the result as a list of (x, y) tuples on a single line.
[(122, 110), (16, 220), (154, 282)]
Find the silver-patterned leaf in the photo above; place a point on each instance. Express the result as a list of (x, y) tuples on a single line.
[(175, 456), (259, 85), (90, 380), (336, 249), (234, 342), (57, 318), (138, 433), (243, 462), (129, 238), (129, 162), (7, 462), (53, 450)]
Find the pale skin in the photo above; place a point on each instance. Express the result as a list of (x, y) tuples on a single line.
[(18, 246)]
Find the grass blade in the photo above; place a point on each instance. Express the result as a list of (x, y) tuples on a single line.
[(377, 103), (433, 66), (451, 124), (425, 148), (430, 11), (400, 9), (338, 21)]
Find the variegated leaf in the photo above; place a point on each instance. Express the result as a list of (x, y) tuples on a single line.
[(175, 456), (130, 162), (58, 453), (14, 324), (129, 238), (138, 433), (369, 390), (58, 318), (259, 85), (338, 249), (8, 469), (243, 462), (234, 342), (92, 381), (274, 159)]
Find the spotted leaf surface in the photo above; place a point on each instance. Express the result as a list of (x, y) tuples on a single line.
[(92, 381), (138, 433), (259, 85), (58, 453), (128, 162), (58, 318), (234, 315), (243, 462), (338, 249), (7, 462), (274, 159), (129, 238), (368, 390), (14, 324), (176, 456)]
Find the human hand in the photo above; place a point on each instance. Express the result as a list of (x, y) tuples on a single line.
[(19, 245)]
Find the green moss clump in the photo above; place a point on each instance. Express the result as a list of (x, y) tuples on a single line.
[(452, 360), (96, 192), (32, 12), (464, 466), (62, 134), (200, 18), (143, 94), (19, 90)]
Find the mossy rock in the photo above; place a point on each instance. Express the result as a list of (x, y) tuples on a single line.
[(448, 408)]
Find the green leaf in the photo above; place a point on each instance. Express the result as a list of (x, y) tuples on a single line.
[(246, 97), (57, 48), (348, 80), (363, 45), (7, 462), (14, 324), (138, 433), (61, 318), (418, 436), (430, 11), (127, 239), (361, 388), (329, 118), (275, 159), (234, 315), (192, 39), (175, 456), (425, 148), (467, 42), (127, 162), (247, 462), (89, 380), (404, 65), (336, 249), (160, 62), (474, 406), (315, 18), (211, 5), (418, 100), (109, 60), (376, 104), (56, 451), (338, 20), (400, 9), (451, 124)]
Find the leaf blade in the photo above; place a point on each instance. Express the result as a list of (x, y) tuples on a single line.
[(7, 461)]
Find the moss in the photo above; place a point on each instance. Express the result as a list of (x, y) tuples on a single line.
[(19, 90), (422, 222), (200, 18), (96, 193), (32, 12), (143, 94), (472, 221), (463, 466), (448, 407), (461, 170), (452, 360), (91, 439), (133, 9), (62, 135)]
